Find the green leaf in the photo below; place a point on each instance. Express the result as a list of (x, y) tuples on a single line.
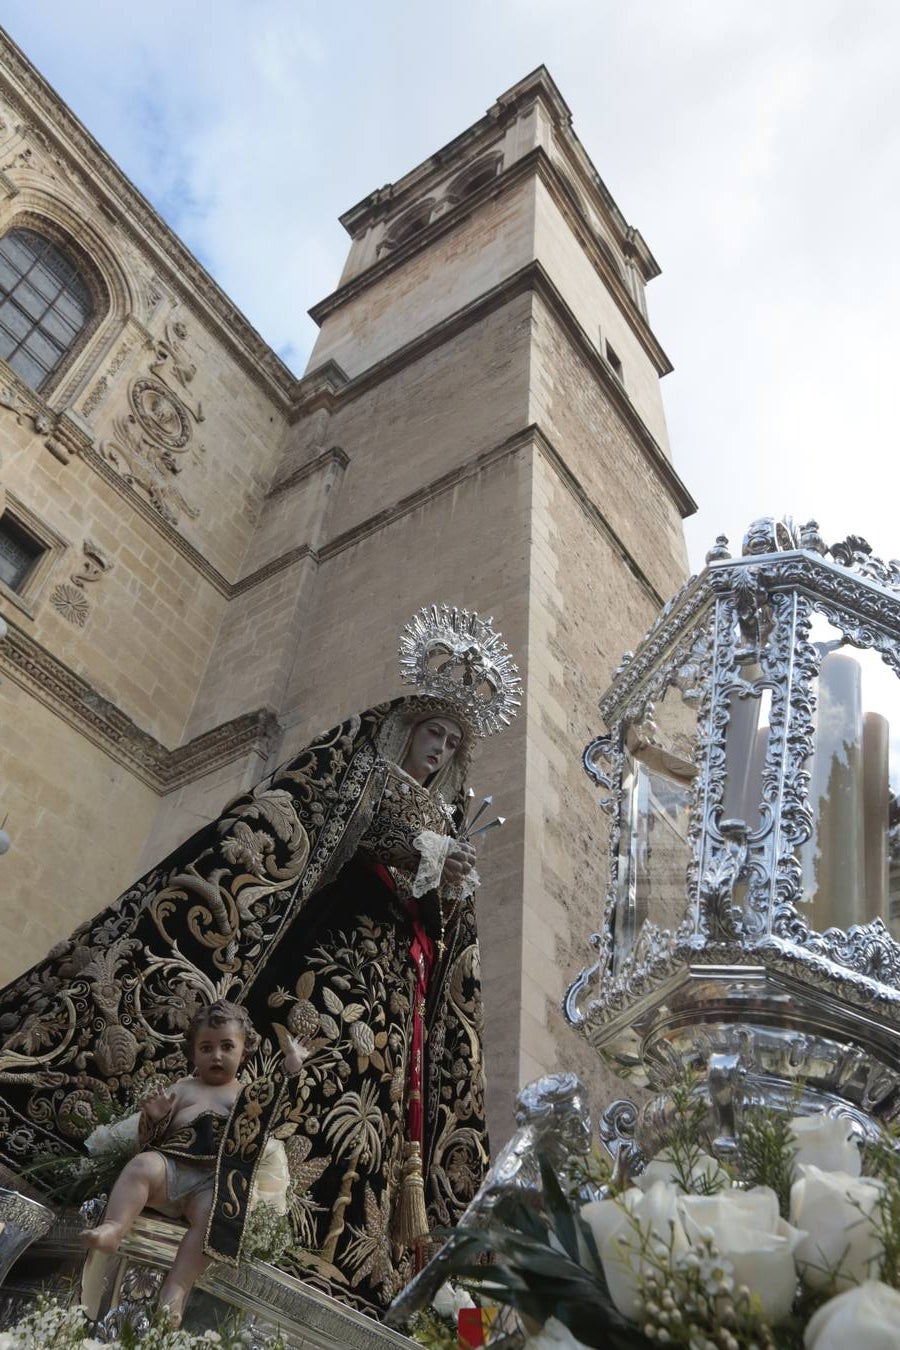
[(558, 1208), (540, 1282)]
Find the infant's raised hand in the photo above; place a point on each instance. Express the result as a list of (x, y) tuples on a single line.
[(295, 1054), (158, 1107)]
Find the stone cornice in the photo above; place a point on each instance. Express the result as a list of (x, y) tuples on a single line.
[(537, 86), (275, 565), (647, 443), (529, 436), (589, 507), (317, 388), (335, 455), (536, 163), (121, 201), (447, 482), (73, 698), (570, 207), (532, 278)]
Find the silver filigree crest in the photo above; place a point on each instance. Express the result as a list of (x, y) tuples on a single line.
[(454, 654)]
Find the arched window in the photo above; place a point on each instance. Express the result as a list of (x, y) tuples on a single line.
[(409, 224), (483, 171), (44, 305)]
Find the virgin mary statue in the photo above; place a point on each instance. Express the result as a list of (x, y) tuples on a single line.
[(334, 900)]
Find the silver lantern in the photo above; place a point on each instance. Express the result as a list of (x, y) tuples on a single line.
[(22, 1221), (752, 770)]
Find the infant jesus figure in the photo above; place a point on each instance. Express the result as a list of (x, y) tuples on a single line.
[(180, 1131)]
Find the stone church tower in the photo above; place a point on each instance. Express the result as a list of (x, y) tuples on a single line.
[(203, 559)]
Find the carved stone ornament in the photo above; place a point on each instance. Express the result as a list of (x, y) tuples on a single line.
[(173, 364), (101, 388), (148, 447), (69, 598), (160, 413), (71, 603), (22, 408), (742, 949)]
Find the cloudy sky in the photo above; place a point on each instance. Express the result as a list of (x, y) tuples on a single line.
[(755, 143)]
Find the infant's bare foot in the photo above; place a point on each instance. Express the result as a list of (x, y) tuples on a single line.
[(104, 1238), (171, 1304)]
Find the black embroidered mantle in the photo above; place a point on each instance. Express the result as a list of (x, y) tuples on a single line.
[(276, 905)]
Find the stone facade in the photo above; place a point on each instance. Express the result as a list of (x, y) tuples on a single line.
[(229, 552)]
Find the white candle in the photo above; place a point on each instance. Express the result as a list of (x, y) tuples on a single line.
[(876, 803), (834, 857), (740, 743)]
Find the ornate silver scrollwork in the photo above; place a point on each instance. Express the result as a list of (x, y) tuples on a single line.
[(732, 641), (617, 1135), (720, 919)]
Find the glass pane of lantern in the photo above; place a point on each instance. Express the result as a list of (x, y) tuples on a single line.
[(746, 744), (653, 845), (848, 871)]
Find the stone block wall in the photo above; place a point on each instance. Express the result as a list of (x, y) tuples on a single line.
[(141, 468)]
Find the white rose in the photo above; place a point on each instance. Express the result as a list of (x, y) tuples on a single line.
[(749, 1232), (620, 1225), (826, 1142), (866, 1317), (554, 1336), (448, 1301), (836, 1211), (662, 1168), (120, 1133), (272, 1183)]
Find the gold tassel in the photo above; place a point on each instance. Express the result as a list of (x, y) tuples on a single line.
[(410, 1219)]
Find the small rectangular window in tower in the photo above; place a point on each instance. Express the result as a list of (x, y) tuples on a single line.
[(615, 363), (20, 553)]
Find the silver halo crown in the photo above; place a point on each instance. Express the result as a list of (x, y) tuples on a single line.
[(451, 654)]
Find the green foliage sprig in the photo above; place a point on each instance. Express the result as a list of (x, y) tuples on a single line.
[(690, 1139), (428, 1328), (768, 1150), (588, 1172), (881, 1159)]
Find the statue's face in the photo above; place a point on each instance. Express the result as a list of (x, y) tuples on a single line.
[(433, 743)]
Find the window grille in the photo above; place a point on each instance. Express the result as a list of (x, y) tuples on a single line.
[(44, 305), (18, 553)]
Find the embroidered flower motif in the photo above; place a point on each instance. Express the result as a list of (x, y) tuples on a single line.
[(247, 848)]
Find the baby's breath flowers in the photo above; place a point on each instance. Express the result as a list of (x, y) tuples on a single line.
[(53, 1324), (691, 1299), (268, 1234)]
